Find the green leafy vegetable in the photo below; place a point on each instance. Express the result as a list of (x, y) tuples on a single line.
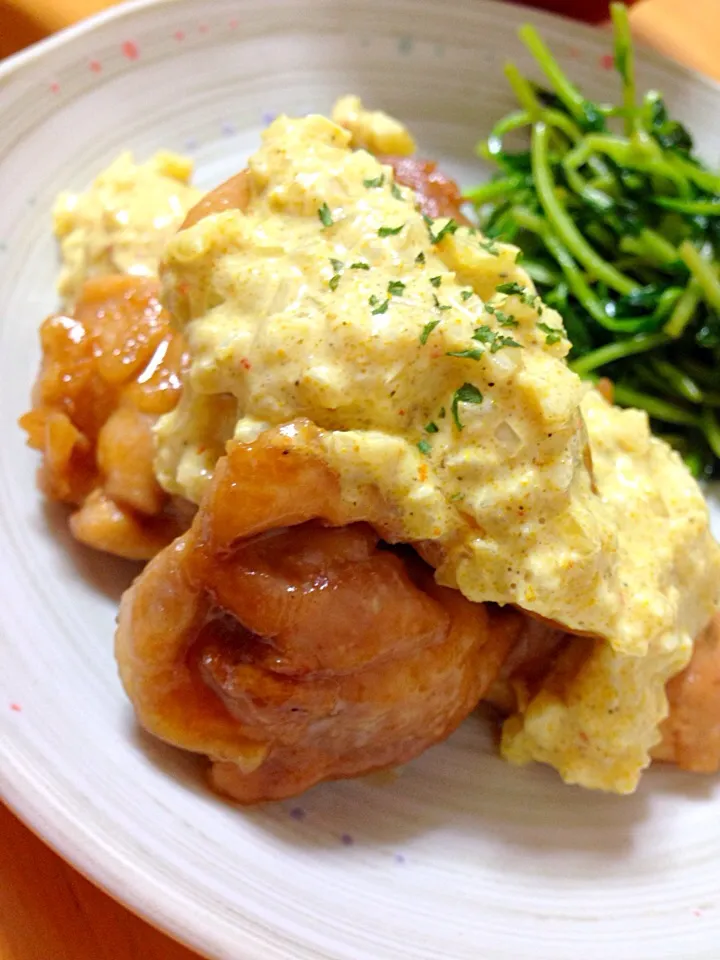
[(619, 224)]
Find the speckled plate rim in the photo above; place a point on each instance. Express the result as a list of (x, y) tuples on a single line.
[(96, 857)]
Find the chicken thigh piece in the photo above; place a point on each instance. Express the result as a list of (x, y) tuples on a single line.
[(291, 652)]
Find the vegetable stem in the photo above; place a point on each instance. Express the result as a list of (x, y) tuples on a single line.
[(558, 217), (611, 352), (679, 381), (493, 189), (704, 273), (683, 312), (711, 428), (566, 91), (625, 62), (523, 90)]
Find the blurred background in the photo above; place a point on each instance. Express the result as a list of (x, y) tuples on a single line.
[(23, 22)]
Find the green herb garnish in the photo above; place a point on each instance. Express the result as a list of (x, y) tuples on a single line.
[(431, 427), (375, 181), (325, 215), (447, 229), (467, 393), (395, 191), (511, 289), (465, 294), (420, 258), (502, 341), (552, 334), (492, 339), (382, 308), (484, 334), (466, 354), (359, 265), (427, 330), (395, 288), (334, 281), (337, 265), (390, 231), (436, 281)]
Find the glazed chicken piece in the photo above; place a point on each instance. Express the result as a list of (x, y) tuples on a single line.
[(108, 371), (291, 652)]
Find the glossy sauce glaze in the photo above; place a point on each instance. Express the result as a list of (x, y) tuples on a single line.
[(109, 369)]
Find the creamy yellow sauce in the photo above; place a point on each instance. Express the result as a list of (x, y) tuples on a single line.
[(122, 222), (600, 731), (488, 455), (372, 130)]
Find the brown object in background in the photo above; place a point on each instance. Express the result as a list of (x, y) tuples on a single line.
[(592, 11), (17, 29)]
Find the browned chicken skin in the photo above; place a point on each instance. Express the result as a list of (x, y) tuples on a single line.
[(109, 369), (438, 195), (291, 656), (691, 733)]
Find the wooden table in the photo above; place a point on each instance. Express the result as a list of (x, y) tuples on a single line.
[(47, 910)]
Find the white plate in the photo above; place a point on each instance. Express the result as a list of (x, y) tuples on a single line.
[(461, 856)]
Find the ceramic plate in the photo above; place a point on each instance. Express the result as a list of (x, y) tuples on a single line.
[(458, 857)]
